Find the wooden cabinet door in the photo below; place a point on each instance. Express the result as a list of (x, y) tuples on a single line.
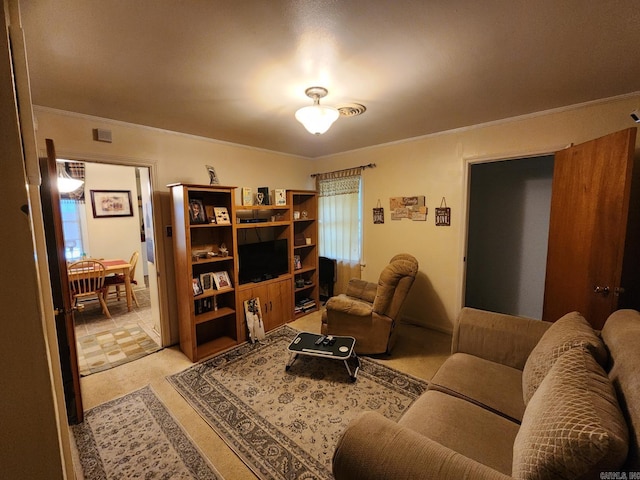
[(588, 227), (279, 306)]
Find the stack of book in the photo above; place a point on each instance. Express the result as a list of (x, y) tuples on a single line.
[(304, 305)]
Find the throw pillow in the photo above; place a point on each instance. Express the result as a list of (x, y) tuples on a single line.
[(573, 426), (570, 331)]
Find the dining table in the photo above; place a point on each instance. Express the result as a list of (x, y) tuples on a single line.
[(115, 266)]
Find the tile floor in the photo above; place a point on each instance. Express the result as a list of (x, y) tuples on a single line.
[(91, 320)]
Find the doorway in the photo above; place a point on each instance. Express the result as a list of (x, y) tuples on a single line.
[(508, 228), (133, 331)]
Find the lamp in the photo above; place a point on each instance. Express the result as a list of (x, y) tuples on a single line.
[(66, 183), (317, 118)]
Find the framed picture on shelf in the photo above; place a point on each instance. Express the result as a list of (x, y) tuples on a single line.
[(196, 211), (247, 196), (111, 203), (222, 215), (221, 280), (297, 264), (263, 193), (197, 287), (280, 196), (211, 216), (206, 280)]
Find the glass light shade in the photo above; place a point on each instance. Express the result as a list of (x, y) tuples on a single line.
[(68, 184), (317, 118)]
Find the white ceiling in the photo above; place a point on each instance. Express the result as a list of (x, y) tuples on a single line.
[(236, 70)]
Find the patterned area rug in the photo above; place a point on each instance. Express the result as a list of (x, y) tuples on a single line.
[(111, 348), (285, 424), (136, 437)]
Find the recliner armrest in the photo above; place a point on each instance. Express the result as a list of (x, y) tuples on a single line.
[(505, 339), (376, 448), (352, 306)]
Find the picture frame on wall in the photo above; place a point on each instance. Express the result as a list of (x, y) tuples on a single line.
[(111, 203)]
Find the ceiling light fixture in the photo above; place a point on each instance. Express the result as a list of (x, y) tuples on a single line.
[(66, 183), (317, 118)]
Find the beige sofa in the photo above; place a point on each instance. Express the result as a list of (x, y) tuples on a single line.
[(518, 398)]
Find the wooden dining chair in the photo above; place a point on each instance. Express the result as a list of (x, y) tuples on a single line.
[(87, 279), (118, 280)]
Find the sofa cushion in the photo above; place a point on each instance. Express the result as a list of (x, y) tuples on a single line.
[(568, 332), (490, 384), (620, 334), (463, 427), (573, 426)]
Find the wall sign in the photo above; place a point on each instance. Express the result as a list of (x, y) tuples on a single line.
[(412, 208), (378, 213), (443, 214)]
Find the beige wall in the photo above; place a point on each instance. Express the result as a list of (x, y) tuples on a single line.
[(173, 158), (436, 166)]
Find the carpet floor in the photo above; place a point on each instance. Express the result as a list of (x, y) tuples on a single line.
[(285, 424), (110, 348), (135, 436)]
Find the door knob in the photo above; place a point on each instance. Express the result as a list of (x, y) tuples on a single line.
[(603, 290)]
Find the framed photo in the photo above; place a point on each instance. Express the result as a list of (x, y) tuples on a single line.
[(280, 196), (111, 203), (297, 264), (222, 215), (221, 280), (247, 196), (197, 287), (196, 211), (211, 216), (206, 280)]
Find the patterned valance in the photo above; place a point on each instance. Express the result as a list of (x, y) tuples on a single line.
[(342, 182)]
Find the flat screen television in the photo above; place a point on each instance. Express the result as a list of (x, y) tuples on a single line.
[(263, 260)]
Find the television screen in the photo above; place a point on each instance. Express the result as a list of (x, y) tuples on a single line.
[(263, 260)]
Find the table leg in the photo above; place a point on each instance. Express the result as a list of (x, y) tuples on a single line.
[(354, 375), (292, 358)]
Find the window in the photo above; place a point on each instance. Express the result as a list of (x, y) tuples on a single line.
[(72, 228), (340, 222)]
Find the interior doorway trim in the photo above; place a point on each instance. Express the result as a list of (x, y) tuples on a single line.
[(468, 161), (165, 333)]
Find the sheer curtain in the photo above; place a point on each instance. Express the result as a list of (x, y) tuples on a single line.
[(340, 222)]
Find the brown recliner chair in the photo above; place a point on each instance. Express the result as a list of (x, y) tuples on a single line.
[(368, 311)]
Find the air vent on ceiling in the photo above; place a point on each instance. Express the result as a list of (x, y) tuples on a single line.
[(352, 110)]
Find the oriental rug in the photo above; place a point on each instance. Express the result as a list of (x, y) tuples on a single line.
[(136, 437), (286, 424)]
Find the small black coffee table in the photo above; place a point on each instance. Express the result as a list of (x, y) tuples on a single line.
[(342, 349)]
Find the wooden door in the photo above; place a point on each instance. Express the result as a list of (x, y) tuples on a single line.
[(588, 227), (60, 285)]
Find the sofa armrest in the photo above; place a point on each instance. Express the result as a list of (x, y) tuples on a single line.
[(505, 339), (376, 448)]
